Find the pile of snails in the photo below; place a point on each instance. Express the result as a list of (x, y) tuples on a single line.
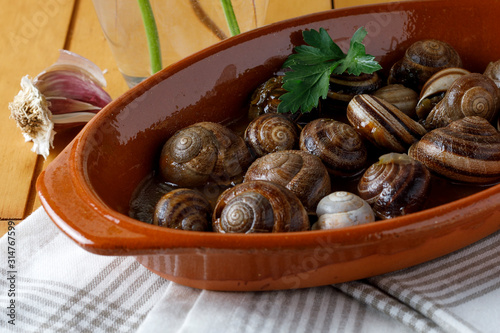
[(429, 118)]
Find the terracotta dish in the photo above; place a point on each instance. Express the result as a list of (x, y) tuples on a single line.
[(87, 190)]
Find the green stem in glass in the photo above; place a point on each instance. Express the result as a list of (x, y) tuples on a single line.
[(232, 23), (151, 35)]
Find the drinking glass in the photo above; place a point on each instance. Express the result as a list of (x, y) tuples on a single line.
[(184, 27)]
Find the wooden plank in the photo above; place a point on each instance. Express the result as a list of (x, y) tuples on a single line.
[(351, 3), (277, 11), (32, 34)]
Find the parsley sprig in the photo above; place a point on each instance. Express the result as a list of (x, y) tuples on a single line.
[(311, 66)]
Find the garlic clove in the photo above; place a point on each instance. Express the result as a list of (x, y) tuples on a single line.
[(71, 61), (61, 105), (72, 85)]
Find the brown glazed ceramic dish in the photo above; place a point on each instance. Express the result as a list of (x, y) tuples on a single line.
[(86, 191)]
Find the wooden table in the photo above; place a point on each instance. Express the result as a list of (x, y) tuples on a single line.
[(33, 32)]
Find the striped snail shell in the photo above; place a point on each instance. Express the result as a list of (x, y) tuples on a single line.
[(338, 145), (271, 132), (467, 150), (493, 72), (342, 209), (183, 209), (404, 98), (204, 152), (302, 173), (421, 60), (383, 124), (396, 185), (343, 87), (259, 206), (470, 95), (435, 88)]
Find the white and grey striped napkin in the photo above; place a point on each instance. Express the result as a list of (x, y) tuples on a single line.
[(55, 286)]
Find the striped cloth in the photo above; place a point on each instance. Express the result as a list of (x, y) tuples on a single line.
[(59, 287)]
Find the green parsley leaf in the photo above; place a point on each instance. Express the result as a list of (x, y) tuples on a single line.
[(311, 66)]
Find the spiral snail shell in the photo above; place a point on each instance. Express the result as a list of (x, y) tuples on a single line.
[(383, 124), (396, 185), (467, 150), (421, 60), (184, 209), (342, 209), (343, 87), (493, 72), (302, 173), (337, 144), (435, 88), (259, 206), (204, 152), (404, 98), (470, 95), (265, 98), (271, 132)]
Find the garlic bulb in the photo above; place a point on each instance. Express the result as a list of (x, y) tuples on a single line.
[(66, 94)]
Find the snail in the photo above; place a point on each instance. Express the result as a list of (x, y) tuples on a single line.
[(421, 60), (470, 95), (337, 144), (342, 209), (271, 132), (467, 150), (265, 99), (204, 152), (343, 87), (434, 89), (493, 72), (405, 99), (184, 209), (383, 124), (302, 173), (259, 206), (396, 185)]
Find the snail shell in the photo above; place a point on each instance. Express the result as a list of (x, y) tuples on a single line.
[(470, 95), (435, 88), (343, 87), (342, 209), (204, 152), (259, 206), (467, 150), (405, 99), (396, 185), (493, 72), (271, 132), (302, 173), (383, 124), (421, 60), (338, 145), (184, 209), (265, 99)]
